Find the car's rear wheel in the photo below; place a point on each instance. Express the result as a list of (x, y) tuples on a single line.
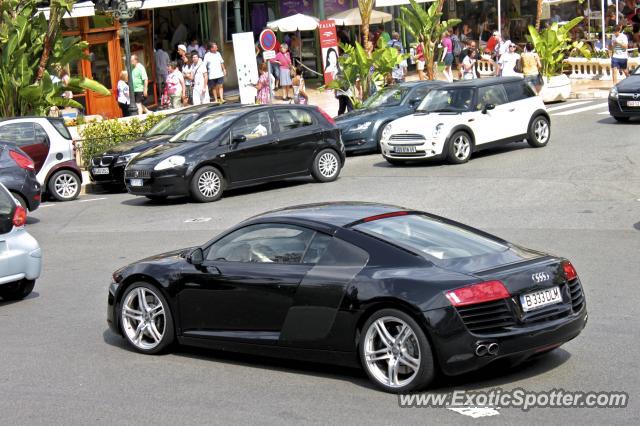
[(326, 166), (395, 352), (64, 185), (145, 318), (18, 290), (460, 147), (207, 184), (539, 132), (620, 119)]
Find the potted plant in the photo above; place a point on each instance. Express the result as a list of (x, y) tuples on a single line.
[(552, 45)]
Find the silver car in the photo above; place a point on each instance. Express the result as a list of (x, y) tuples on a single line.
[(20, 255)]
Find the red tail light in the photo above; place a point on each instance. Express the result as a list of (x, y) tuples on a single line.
[(569, 271), (325, 115), (478, 293), (22, 160), (19, 216)]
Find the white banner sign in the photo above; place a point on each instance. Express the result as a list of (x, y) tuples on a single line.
[(246, 67), (268, 54)]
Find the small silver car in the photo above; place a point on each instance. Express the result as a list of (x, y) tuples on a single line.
[(20, 255)]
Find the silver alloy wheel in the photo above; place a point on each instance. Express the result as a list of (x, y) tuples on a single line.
[(392, 352), (66, 185), (328, 165), (143, 318), (462, 147), (541, 131), (209, 184)]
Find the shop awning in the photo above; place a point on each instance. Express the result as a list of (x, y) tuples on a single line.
[(156, 4), (86, 8), (352, 17), (297, 22)]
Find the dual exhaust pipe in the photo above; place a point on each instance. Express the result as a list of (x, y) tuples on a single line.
[(487, 349)]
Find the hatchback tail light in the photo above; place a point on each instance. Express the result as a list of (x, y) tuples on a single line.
[(327, 116), (570, 273), (22, 161), (478, 293), (19, 216)]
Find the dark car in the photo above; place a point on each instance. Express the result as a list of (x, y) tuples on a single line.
[(239, 147), (362, 128), (17, 173), (108, 168), (401, 292), (624, 98)]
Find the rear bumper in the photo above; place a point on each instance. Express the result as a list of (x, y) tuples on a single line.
[(20, 257)]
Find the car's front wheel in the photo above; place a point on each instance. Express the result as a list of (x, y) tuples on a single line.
[(539, 132), (395, 352), (207, 184), (64, 185), (460, 147), (18, 290), (145, 318), (326, 166)]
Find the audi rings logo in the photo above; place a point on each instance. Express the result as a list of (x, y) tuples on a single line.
[(540, 277)]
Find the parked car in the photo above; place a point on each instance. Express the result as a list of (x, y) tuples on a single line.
[(17, 173), (624, 98), (404, 294), (108, 168), (455, 120), (362, 128), (239, 147), (20, 255), (48, 142)]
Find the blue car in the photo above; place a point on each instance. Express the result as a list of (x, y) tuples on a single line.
[(362, 128)]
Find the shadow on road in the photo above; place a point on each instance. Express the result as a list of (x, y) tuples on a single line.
[(32, 295)]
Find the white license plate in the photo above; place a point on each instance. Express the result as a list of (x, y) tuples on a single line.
[(135, 182), (404, 149), (100, 170), (538, 299), (633, 103)]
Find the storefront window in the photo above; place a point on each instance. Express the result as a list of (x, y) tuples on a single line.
[(141, 47), (100, 21), (100, 67), (70, 24)]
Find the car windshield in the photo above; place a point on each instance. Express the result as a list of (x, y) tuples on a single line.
[(431, 237), (386, 97), (204, 129), (447, 100), (172, 124)]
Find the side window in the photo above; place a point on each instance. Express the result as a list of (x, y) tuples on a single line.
[(253, 126), (419, 93), (317, 248), (22, 134), (491, 95), (289, 119), (265, 243), (40, 135), (517, 91)]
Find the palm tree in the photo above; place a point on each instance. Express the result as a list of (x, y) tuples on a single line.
[(539, 14), (366, 6)]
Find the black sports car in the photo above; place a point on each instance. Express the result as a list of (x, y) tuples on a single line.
[(17, 173), (624, 98), (108, 168), (362, 128), (403, 293), (238, 147)]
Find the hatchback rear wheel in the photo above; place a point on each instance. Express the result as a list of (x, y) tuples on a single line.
[(64, 185), (326, 166)]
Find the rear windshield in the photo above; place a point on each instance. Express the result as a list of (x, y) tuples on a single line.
[(61, 128), (430, 237), (6, 207)]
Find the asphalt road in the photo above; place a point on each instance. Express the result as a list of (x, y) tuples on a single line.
[(578, 197)]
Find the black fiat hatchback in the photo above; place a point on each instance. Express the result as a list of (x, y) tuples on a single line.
[(238, 147)]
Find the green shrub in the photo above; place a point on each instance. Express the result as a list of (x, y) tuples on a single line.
[(97, 137)]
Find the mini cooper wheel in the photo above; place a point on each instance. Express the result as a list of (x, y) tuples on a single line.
[(18, 290), (395, 352), (64, 185), (145, 318), (539, 132), (460, 146), (207, 184), (326, 166)]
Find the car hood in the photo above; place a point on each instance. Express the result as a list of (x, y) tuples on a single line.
[(138, 145), (421, 122), (160, 152), (168, 257), (630, 84), (362, 115)]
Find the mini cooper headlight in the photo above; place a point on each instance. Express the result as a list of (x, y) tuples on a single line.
[(168, 163), (361, 127), (613, 94), (437, 130), (124, 159), (386, 132)]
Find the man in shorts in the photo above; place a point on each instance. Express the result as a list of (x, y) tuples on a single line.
[(217, 72), (619, 46)]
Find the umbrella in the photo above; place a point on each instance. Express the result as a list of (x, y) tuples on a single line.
[(297, 22), (352, 17)]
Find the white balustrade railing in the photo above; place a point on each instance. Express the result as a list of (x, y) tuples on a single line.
[(596, 68)]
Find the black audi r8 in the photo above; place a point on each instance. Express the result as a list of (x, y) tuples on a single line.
[(400, 292)]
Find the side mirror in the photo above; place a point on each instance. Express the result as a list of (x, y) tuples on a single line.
[(239, 138), (196, 257), (488, 107)]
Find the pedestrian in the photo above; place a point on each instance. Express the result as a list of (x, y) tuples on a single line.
[(447, 55), (175, 85), (299, 94), (399, 72), (492, 44), (182, 58), (457, 48), (508, 62), (384, 35), (200, 79), (215, 67), (187, 74), (345, 104), (469, 46), (140, 84), (531, 67), (193, 45), (162, 61), (395, 42), (283, 59), (123, 94), (262, 86), (619, 57), (420, 59), (469, 65)]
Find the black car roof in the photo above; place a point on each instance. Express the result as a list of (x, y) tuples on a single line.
[(411, 84), (335, 214), (481, 82)]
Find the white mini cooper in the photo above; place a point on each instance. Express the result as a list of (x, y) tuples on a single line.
[(455, 120)]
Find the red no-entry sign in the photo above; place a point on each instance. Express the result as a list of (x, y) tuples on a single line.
[(267, 40)]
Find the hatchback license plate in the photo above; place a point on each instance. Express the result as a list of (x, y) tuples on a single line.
[(538, 299), (404, 149), (135, 182), (633, 103), (100, 170)]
